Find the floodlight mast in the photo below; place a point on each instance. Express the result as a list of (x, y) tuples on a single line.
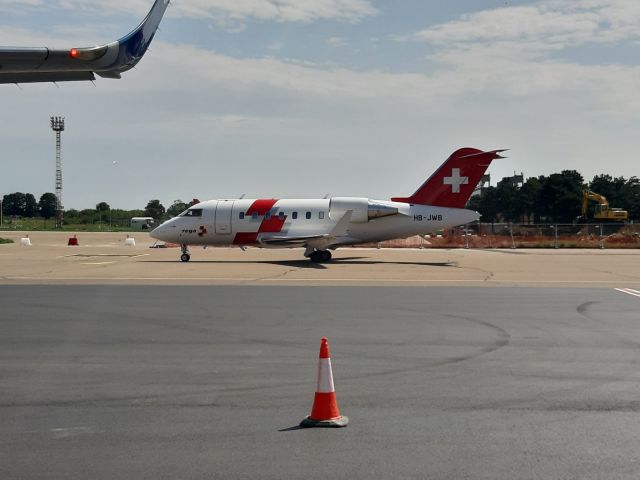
[(57, 125)]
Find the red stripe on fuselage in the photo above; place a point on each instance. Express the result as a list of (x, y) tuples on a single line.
[(245, 238), (261, 206), (273, 224)]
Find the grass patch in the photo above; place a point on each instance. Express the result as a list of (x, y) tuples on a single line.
[(5, 240)]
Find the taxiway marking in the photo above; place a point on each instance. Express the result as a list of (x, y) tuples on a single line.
[(629, 291)]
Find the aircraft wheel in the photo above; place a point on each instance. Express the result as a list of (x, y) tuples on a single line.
[(316, 257), (320, 256), (185, 257)]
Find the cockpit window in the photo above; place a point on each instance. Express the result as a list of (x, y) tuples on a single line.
[(192, 212)]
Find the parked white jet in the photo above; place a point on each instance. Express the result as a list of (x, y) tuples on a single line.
[(30, 65), (326, 224)]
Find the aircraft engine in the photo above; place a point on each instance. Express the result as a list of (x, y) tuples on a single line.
[(363, 209)]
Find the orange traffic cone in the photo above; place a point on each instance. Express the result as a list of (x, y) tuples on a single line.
[(325, 412)]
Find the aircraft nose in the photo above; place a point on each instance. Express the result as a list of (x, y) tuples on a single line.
[(156, 233), (161, 232)]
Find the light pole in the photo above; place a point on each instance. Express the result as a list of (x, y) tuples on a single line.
[(57, 125), (1, 212)]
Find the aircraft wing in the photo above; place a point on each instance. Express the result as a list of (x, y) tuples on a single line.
[(317, 242), (29, 65)]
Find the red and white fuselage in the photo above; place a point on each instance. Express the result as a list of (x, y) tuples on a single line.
[(320, 225)]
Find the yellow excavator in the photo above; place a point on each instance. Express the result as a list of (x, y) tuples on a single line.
[(601, 211)]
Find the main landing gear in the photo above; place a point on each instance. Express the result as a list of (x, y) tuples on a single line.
[(185, 257), (320, 256)]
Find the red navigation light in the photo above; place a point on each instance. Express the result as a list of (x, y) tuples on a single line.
[(74, 53)]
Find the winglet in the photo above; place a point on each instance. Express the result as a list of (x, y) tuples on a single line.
[(133, 46)]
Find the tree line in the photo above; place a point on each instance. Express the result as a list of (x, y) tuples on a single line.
[(24, 205), (20, 204), (553, 198)]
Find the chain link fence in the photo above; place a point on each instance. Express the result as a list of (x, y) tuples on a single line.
[(506, 235)]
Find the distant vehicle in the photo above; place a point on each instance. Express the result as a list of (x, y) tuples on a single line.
[(601, 212), (322, 225), (30, 65), (142, 223)]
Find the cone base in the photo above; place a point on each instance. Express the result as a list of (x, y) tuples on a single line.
[(331, 423)]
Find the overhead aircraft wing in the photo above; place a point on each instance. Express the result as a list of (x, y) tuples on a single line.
[(317, 242), (29, 65)]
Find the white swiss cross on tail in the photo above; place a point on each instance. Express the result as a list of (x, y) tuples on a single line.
[(455, 180)]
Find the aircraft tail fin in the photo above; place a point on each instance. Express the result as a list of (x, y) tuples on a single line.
[(456, 179)]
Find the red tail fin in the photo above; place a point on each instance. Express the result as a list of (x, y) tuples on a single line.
[(456, 179)]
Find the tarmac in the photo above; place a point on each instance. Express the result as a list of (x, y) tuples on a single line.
[(122, 362), (102, 258)]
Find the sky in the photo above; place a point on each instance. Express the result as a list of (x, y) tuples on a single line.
[(304, 98)]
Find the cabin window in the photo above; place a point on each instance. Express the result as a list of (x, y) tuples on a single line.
[(321, 215), (294, 215), (241, 215), (254, 216), (193, 212), (308, 215), (281, 215), (267, 215)]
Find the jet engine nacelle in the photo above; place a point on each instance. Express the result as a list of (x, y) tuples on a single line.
[(362, 209)]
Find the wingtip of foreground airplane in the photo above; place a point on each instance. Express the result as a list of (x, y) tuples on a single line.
[(32, 65)]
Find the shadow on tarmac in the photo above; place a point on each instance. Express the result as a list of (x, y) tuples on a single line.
[(304, 263), (291, 429)]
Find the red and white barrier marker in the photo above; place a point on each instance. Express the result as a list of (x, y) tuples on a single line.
[(325, 412)]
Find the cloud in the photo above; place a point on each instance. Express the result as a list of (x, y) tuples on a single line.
[(337, 42), (545, 25), (16, 7), (280, 10), (227, 11), (208, 124)]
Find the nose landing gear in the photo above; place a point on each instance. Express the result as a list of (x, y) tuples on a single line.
[(185, 257)]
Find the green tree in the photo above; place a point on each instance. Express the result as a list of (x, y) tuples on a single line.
[(47, 205), (530, 201), (14, 204), (508, 200), (561, 196), (489, 205), (102, 207), (631, 198), (30, 206), (154, 209), (613, 189), (176, 208)]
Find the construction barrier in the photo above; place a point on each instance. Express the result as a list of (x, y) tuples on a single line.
[(73, 241), (25, 241)]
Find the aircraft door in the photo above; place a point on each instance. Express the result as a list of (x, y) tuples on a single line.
[(224, 210)]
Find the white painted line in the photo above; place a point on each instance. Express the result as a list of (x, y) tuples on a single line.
[(629, 291)]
